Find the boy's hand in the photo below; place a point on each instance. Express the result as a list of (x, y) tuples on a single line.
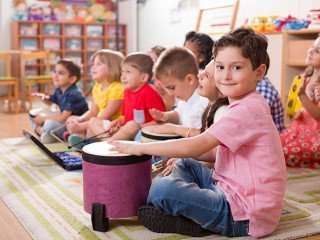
[(39, 120), (169, 164), (158, 115), (41, 96)]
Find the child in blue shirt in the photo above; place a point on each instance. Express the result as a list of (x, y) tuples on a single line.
[(66, 95)]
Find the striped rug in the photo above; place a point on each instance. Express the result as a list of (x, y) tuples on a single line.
[(48, 200)]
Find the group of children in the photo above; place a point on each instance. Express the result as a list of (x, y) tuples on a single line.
[(228, 114)]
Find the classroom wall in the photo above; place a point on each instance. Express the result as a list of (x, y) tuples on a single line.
[(155, 27)]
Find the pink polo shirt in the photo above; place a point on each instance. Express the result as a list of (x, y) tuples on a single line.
[(250, 167)]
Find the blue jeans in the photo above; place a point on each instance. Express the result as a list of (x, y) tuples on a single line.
[(50, 125), (191, 192)]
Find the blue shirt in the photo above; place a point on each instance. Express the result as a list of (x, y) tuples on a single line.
[(71, 100), (271, 95)]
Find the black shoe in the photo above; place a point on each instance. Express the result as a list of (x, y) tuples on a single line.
[(158, 221)]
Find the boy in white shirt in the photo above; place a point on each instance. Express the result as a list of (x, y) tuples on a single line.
[(177, 71)]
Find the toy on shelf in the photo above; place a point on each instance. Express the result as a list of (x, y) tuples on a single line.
[(35, 12), (276, 23), (81, 14), (314, 18), (20, 8), (59, 11)]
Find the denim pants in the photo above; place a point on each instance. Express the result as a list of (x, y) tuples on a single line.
[(191, 192)]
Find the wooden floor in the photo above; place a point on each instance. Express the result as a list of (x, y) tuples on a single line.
[(11, 125)]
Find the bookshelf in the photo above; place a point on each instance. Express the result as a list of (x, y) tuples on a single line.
[(68, 40)]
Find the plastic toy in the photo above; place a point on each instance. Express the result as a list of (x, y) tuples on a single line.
[(20, 8), (35, 12), (293, 102)]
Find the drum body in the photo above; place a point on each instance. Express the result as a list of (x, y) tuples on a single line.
[(147, 135), (120, 182)]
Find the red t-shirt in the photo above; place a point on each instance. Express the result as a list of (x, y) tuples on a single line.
[(136, 105)]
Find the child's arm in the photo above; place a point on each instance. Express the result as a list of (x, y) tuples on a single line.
[(111, 109), (312, 108), (43, 97), (186, 147), (182, 131), (171, 116), (93, 112)]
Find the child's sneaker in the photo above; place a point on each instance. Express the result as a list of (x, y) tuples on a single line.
[(46, 138), (161, 222), (77, 141)]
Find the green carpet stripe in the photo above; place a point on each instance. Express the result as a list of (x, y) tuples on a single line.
[(36, 152), (84, 231), (311, 200), (173, 237), (61, 188), (5, 159), (304, 176), (42, 221)]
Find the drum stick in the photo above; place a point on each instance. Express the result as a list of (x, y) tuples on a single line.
[(91, 138)]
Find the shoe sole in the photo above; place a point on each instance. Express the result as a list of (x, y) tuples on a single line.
[(160, 222)]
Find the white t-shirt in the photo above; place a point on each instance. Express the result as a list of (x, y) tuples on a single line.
[(190, 111)]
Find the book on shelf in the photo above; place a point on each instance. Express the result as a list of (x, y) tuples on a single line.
[(112, 31), (74, 44), (29, 44), (51, 29), (94, 44), (75, 57), (94, 31), (29, 29), (73, 30), (54, 57), (51, 43)]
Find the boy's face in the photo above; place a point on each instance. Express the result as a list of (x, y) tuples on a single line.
[(61, 78), (99, 70), (181, 89), (207, 86), (313, 58), (234, 75), (132, 79)]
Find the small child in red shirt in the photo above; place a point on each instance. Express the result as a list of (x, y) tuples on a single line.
[(139, 97)]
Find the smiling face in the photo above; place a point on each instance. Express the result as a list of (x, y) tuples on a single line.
[(313, 57), (234, 75), (207, 86), (99, 70), (132, 79), (61, 77)]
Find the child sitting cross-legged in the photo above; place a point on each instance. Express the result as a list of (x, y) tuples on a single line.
[(66, 95), (139, 98), (243, 194), (107, 95)]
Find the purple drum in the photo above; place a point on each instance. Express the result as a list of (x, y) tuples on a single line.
[(115, 184)]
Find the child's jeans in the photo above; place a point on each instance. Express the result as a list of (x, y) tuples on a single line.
[(191, 192), (50, 125)]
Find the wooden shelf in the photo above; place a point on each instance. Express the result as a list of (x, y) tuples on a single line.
[(68, 40)]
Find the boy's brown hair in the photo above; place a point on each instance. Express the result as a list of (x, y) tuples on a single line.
[(140, 61), (177, 62), (72, 67), (252, 45), (113, 60)]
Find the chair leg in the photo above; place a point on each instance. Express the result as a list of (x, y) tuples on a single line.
[(29, 94), (16, 97)]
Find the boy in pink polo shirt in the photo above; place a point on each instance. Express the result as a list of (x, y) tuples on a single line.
[(243, 195)]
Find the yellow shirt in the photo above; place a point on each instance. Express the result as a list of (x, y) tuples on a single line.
[(102, 97)]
